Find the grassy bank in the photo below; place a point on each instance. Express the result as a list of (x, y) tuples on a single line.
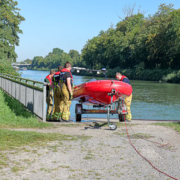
[(14, 115), (175, 126), (169, 75)]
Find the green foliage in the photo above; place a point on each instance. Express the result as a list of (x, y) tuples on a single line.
[(54, 59), (14, 115), (5, 67), (10, 20), (147, 46), (27, 61), (156, 74)]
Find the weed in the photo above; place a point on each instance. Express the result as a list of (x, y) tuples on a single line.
[(88, 157), (3, 163), (97, 174), (46, 170), (64, 166), (15, 168), (120, 134), (141, 135)]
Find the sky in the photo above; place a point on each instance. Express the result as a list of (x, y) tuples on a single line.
[(68, 24)]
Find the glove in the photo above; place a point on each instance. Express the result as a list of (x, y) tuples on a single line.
[(71, 95)]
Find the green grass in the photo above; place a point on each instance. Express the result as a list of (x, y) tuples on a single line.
[(175, 125), (12, 139), (14, 115)]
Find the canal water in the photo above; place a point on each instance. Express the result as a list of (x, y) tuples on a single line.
[(151, 100)]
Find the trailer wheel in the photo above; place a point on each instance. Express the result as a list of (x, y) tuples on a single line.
[(78, 117), (122, 117), (78, 111)]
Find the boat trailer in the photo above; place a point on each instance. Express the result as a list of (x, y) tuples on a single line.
[(117, 107)]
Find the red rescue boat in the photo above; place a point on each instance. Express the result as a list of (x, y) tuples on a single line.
[(96, 91)]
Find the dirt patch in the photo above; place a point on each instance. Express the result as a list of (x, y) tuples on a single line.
[(105, 154)]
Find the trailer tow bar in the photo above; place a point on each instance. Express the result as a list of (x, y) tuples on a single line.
[(112, 126)]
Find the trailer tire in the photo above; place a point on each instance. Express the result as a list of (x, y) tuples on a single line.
[(122, 117), (78, 117), (78, 111)]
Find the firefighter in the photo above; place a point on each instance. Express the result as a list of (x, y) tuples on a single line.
[(57, 94), (49, 94), (66, 84), (128, 99)]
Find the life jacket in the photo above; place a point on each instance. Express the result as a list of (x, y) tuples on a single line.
[(63, 72), (66, 70), (126, 79), (49, 79), (56, 77), (123, 77)]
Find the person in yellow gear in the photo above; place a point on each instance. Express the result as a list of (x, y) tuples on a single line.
[(66, 85), (128, 99), (49, 94), (57, 95)]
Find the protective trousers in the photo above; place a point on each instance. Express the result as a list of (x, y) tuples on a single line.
[(49, 100), (66, 106), (127, 102), (57, 100)]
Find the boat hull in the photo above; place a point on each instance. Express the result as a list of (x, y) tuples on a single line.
[(96, 92)]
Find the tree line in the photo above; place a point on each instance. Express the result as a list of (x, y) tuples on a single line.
[(151, 42), (54, 59), (138, 43)]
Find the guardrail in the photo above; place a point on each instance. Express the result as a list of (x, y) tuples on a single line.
[(32, 94)]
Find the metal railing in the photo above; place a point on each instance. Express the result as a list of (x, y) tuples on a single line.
[(32, 94)]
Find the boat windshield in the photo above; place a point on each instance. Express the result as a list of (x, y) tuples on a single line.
[(93, 80)]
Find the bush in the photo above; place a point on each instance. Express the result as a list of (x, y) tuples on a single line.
[(148, 74), (6, 68)]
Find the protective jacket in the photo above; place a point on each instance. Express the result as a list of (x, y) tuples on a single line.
[(125, 79), (56, 77), (66, 70), (49, 79), (62, 76)]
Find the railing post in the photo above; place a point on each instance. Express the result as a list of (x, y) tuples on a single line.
[(0, 81), (44, 102)]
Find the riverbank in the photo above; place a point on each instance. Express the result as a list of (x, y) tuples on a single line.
[(169, 75), (88, 151)]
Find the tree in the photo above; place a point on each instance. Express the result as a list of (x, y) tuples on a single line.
[(57, 51), (75, 56), (10, 20)]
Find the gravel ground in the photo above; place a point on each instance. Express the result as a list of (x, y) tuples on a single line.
[(105, 155)]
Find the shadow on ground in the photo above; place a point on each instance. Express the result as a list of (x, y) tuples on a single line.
[(96, 126)]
